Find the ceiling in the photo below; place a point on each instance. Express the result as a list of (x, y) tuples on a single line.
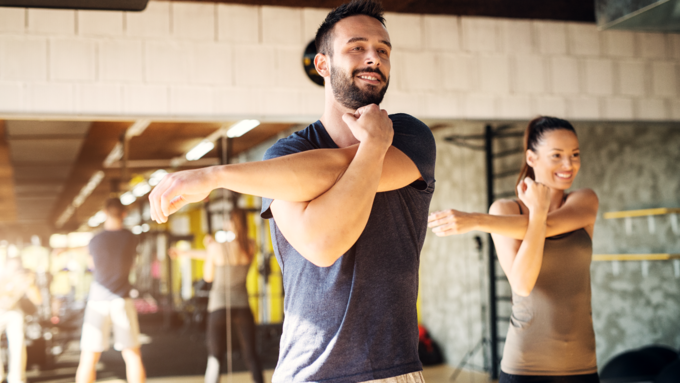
[(44, 165)]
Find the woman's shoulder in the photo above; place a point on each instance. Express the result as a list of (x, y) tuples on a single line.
[(505, 206), (583, 196)]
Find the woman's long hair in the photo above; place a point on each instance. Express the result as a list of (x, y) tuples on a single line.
[(239, 219), (534, 133)]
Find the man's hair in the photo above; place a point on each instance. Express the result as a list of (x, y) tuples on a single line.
[(114, 208), (324, 35)]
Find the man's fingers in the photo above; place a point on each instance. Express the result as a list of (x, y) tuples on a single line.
[(437, 215), (440, 221)]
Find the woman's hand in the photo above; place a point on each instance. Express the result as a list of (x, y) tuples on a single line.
[(450, 222), (535, 196)]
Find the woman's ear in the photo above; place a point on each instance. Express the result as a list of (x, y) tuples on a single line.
[(322, 65), (531, 158)]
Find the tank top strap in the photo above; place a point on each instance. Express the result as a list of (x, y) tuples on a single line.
[(520, 206)]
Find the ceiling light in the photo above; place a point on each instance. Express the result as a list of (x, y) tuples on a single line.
[(97, 219), (199, 150), (157, 176), (224, 236), (242, 127), (141, 188), (137, 230), (115, 155), (127, 198), (137, 128), (80, 198)]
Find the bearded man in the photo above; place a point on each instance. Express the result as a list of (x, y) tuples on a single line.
[(347, 200)]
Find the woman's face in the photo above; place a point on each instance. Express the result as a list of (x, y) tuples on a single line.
[(556, 160)]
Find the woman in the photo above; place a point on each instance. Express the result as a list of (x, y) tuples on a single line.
[(543, 242), (226, 266)]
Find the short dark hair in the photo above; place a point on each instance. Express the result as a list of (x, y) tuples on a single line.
[(114, 207), (372, 8)]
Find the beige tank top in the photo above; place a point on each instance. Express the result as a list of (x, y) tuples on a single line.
[(229, 286), (551, 330)]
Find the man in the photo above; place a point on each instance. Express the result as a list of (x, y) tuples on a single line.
[(349, 197), (113, 252), (15, 283)]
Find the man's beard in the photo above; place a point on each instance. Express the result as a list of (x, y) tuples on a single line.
[(348, 93)]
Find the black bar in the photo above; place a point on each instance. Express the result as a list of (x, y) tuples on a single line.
[(493, 313)]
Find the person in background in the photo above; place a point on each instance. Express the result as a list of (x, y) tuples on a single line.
[(15, 283), (544, 245), (226, 267), (112, 251)]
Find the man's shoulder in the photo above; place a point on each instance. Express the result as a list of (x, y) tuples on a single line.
[(299, 141), (405, 123)]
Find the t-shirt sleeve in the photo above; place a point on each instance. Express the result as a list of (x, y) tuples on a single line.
[(415, 139), (283, 147)]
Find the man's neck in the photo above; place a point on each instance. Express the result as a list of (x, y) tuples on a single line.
[(113, 224), (332, 121)]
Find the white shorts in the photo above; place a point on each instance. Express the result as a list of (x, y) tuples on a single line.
[(99, 315), (414, 377)]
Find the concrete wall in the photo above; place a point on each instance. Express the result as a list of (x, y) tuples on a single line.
[(630, 166), (217, 61)]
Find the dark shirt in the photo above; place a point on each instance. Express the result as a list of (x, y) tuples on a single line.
[(356, 320), (113, 253)]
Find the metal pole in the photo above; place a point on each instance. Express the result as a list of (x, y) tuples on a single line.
[(493, 314), (226, 152)]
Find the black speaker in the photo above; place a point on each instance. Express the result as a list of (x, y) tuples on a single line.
[(103, 5)]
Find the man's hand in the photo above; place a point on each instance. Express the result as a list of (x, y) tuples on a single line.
[(370, 125), (179, 189), (450, 222)]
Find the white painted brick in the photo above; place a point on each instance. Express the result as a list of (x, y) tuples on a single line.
[(632, 78), (517, 36), (406, 31), (599, 77), (52, 21), (664, 79), (584, 39), (618, 43), (460, 72), (652, 45), (551, 37), (99, 99), (289, 70), (240, 102), (12, 97), (154, 21), (100, 23), (120, 60), (281, 25), (618, 109), (311, 21), (193, 20), (281, 103), (675, 109), (23, 59), (651, 109), (529, 74), (441, 33), (516, 107), (211, 63), (238, 23), (551, 106), (442, 105), (419, 71), (479, 34), (313, 102), (479, 106), (400, 102), (191, 101), (494, 74), (583, 108), (166, 61), (12, 19), (252, 65), (674, 45), (144, 100), (72, 59), (50, 98)]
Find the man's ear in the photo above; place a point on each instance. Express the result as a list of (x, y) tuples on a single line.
[(322, 65)]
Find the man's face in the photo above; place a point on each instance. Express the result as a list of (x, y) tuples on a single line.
[(360, 64)]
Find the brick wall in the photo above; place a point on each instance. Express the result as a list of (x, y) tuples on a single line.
[(215, 61)]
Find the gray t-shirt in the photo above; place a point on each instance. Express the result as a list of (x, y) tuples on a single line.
[(113, 253), (356, 320)]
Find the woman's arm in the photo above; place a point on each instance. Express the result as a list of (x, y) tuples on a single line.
[(521, 260), (578, 211), (208, 267)]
